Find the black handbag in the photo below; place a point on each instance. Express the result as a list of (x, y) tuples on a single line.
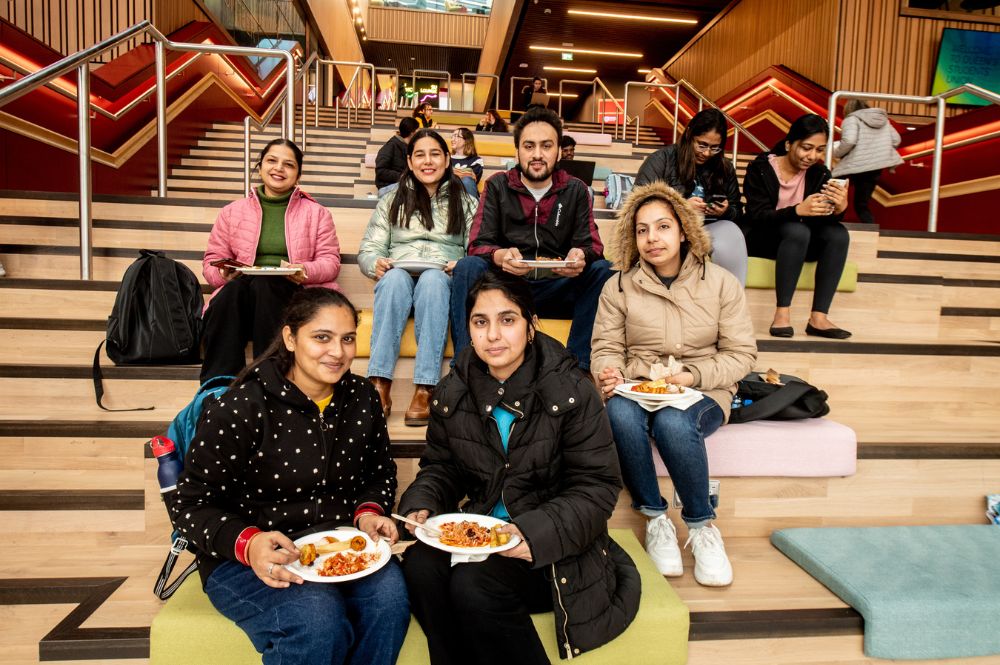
[(795, 400)]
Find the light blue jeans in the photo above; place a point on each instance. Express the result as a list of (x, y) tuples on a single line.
[(396, 295)]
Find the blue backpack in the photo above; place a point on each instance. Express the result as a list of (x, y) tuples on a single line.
[(181, 432)]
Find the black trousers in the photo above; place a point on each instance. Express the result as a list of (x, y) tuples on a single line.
[(477, 613), (863, 185), (247, 309), (791, 244)]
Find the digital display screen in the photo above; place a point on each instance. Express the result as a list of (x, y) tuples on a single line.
[(967, 56)]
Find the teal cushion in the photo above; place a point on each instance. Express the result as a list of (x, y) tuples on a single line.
[(925, 591)]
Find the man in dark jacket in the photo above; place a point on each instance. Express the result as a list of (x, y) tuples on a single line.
[(532, 212), (390, 163)]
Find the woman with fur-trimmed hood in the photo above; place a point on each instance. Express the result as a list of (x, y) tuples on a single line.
[(671, 316)]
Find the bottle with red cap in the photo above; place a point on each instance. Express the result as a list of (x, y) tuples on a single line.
[(170, 463)]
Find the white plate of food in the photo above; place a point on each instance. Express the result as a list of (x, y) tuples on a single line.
[(466, 533), (418, 265), (268, 270), (544, 263), (341, 555), (659, 391)]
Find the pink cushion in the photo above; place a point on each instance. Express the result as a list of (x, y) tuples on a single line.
[(816, 447), (590, 138), (370, 160)]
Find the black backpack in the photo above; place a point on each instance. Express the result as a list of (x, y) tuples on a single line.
[(759, 400), (156, 319)]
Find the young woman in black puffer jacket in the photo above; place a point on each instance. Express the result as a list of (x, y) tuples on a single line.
[(521, 433)]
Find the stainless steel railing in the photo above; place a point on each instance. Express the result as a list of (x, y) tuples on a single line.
[(474, 76), (439, 73), (939, 102), (80, 62)]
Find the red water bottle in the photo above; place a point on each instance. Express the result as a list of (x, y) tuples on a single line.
[(170, 463)]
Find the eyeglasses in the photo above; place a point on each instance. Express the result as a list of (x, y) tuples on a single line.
[(710, 149)]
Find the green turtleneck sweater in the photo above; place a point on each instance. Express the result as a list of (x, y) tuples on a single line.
[(271, 248)]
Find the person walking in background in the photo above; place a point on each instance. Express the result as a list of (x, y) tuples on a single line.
[(427, 218), (465, 161), (794, 215), (696, 168), (390, 163), (867, 145), (278, 225)]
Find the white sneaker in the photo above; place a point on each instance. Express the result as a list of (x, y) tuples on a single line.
[(711, 565), (661, 545)]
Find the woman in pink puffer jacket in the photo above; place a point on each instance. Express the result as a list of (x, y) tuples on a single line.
[(277, 228)]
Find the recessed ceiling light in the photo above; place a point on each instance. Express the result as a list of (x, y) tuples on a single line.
[(643, 71), (577, 70), (559, 49), (523, 65), (633, 17)]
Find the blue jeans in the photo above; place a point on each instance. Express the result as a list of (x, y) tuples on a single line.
[(559, 298), (362, 622), (396, 294), (680, 439), (471, 186)]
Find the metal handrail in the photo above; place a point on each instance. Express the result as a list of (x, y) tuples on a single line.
[(939, 101), (395, 88), (359, 65), (80, 61), (474, 76), (265, 120), (439, 72), (545, 82), (576, 82)]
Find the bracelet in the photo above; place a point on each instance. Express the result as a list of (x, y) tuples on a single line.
[(242, 541), (367, 509)]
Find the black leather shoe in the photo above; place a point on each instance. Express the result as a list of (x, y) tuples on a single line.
[(829, 333), (784, 331)]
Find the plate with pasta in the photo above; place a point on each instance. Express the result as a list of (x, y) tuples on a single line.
[(467, 533), (340, 555)]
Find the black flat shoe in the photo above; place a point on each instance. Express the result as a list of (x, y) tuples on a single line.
[(785, 331), (829, 333)]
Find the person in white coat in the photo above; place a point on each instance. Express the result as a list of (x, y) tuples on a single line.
[(867, 146)]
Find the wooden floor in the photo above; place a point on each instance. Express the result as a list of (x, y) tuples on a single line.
[(85, 532)]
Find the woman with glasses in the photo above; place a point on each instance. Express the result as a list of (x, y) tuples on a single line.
[(696, 168), (465, 161)]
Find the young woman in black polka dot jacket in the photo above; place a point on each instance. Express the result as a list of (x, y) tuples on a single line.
[(297, 445)]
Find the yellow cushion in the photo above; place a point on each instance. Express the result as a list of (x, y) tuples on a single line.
[(760, 275), (188, 629), (557, 328), (500, 148)]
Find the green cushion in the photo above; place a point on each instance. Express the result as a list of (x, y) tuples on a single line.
[(189, 630), (760, 275), (926, 592)]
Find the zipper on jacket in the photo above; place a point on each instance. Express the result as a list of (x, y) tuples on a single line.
[(566, 645), (323, 428), (538, 245)]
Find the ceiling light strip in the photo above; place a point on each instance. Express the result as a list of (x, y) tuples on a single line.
[(563, 49), (634, 17)]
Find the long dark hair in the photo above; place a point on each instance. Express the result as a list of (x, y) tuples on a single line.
[(716, 166), (296, 151), (301, 309), (498, 121), (412, 200), (803, 127), (515, 289)]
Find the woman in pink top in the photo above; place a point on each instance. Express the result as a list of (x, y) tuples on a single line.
[(277, 226), (793, 215)]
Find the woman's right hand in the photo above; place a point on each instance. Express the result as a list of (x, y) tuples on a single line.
[(608, 379), (417, 516), (814, 205), (698, 204), (268, 553), (382, 265)]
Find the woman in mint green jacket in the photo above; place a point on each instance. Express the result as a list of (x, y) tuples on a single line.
[(426, 220)]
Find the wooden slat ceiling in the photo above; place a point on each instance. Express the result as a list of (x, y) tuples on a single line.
[(407, 57)]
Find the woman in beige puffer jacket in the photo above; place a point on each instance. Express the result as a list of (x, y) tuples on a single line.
[(669, 300)]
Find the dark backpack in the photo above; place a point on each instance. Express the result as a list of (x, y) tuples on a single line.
[(795, 400), (181, 431), (156, 319)]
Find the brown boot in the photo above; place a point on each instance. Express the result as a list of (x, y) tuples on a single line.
[(384, 387), (419, 412)]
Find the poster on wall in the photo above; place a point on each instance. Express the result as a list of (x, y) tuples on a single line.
[(967, 56), (978, 11)]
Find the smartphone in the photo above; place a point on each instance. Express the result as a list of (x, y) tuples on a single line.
[(842, 182), (229, 262), (717, 199)]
